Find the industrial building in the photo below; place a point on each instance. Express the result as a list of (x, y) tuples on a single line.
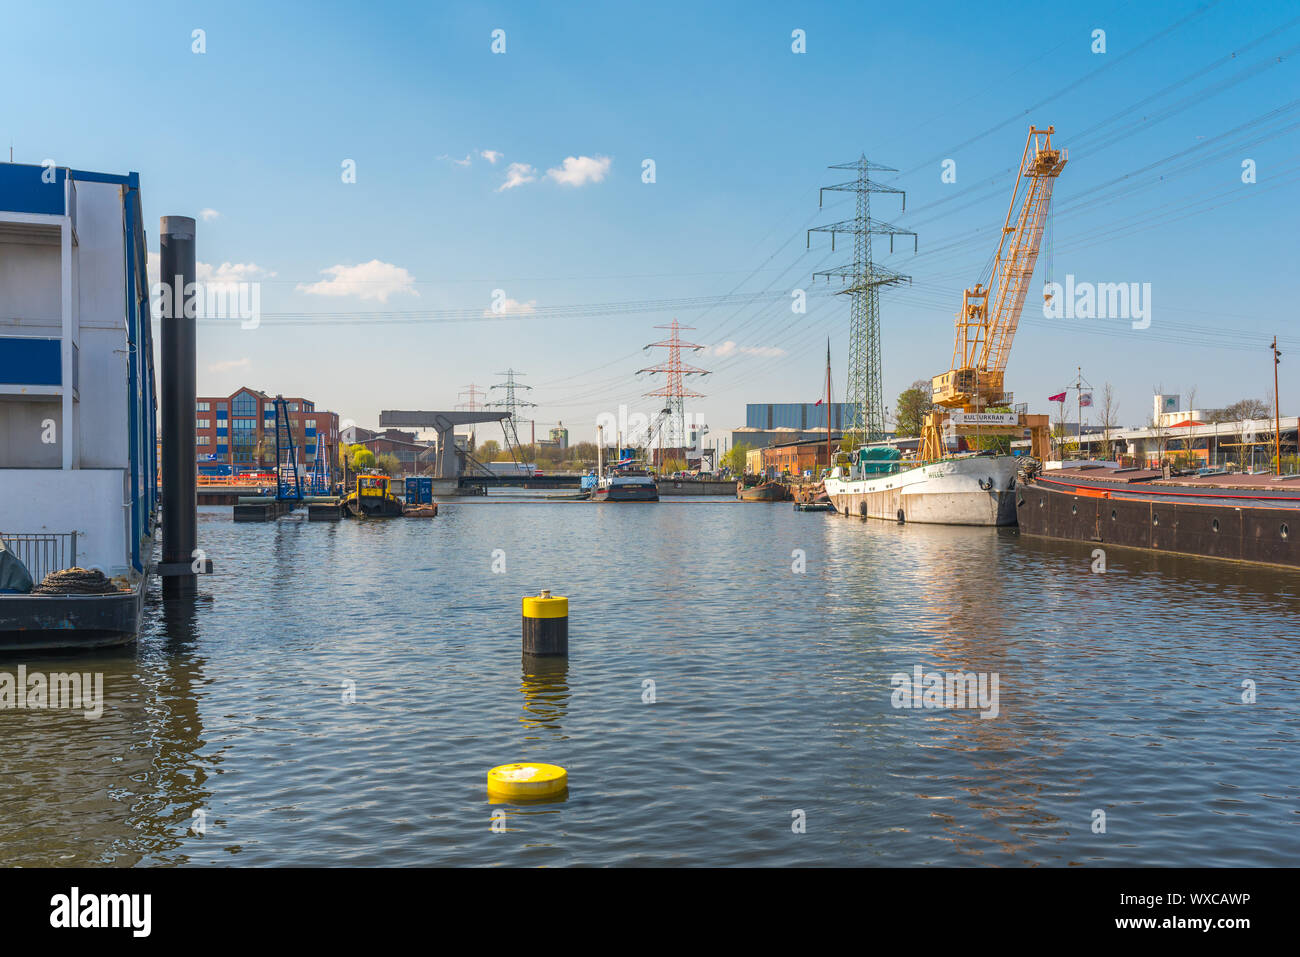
[(800, 416), (791, 458)]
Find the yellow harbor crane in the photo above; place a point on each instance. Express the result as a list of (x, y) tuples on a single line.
[(984, 335)]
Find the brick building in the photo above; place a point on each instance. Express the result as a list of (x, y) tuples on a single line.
[(236, 433), (790, 458)]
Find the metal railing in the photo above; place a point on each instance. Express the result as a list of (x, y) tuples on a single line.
[(42, 552)]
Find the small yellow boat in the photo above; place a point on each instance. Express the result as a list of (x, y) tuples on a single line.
[(372, 498)]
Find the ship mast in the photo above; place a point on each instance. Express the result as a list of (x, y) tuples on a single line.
[(828, 404)]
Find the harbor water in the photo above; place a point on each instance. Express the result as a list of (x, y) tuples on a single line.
[(729, 698)]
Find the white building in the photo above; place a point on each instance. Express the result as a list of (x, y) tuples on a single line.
[(77, 406)]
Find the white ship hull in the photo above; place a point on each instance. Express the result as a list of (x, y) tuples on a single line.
[(978, 490)]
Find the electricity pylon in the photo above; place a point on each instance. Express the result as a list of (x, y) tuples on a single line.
[(674, 389), (512, 404), (864, 389), (472, 404)]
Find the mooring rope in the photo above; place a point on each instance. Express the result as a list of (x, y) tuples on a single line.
[(75, 581)]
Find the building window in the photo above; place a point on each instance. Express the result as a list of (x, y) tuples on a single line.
[(201, 407), (310, 423), (245, 404), (243, 439), (203, 423), (202, 440)]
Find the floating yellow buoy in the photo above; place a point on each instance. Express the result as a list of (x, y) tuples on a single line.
[(527, 781)]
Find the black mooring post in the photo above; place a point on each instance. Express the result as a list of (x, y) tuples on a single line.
[(180, 496)]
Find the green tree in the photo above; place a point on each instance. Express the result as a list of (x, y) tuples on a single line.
[(735, 458), (360, 458), (488, 451), (389, 464), (913, 403), (582, 455)]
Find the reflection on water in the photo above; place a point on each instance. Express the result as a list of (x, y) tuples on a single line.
[(119, 789), (545, 691), (1119, 692)]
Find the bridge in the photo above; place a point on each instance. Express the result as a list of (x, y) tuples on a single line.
[(444, 423), (548, 480)]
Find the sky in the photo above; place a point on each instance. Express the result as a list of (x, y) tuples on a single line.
[(519, 178)]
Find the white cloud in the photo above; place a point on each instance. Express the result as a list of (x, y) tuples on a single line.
[(729, 348), (214, 275), (513, 307), (516, 175), (208, 215), (491, 155), (230, 364), (458, 162), (372, 280), (230, 272), (579, 170)]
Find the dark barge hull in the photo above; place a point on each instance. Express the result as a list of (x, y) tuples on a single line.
[(767, 492), (1247, 532), (626, 493), (70, 622)]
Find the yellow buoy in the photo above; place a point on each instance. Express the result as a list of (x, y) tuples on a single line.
[(546, 625), (525, 781)]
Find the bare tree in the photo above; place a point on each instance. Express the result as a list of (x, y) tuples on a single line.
[(1109, 417), (1160, 432), (1063, 445), (1188, 443)]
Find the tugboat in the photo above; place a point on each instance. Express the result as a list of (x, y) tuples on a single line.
[(373, 498)]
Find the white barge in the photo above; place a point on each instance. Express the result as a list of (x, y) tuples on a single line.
[(960, 490), (78, 459)]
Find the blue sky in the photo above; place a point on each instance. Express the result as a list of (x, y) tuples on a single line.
[(740, 128)]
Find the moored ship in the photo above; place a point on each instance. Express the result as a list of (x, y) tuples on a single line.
[(970, 489), (625, 485), (762, 492), (1251, 518)]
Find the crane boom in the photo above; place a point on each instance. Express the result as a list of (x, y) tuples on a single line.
[(985, 331), (1018, 252), (984, 334)]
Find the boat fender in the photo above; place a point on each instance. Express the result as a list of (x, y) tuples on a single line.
[(862, 509), (986, 484), (901, 517)]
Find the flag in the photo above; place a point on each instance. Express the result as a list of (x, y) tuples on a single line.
[(1085, 398), (817, 403), (1059, 397)]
